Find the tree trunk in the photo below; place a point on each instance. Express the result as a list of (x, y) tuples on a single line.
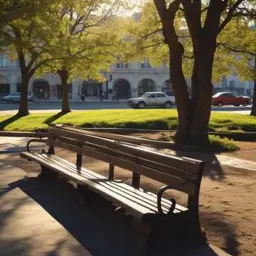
[(23, 107), (253, 112), (64, 87), (194, 113)]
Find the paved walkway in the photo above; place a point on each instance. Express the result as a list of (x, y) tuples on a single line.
[(237, 162), (25, 227)]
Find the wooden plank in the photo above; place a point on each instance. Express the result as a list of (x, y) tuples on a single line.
[(150, 197), (123, 138), (176, 182), (136, 159), (175, 162), (136, 208), (141, 198)]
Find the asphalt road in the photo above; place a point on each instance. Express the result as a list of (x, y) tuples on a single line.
[(10, 109)]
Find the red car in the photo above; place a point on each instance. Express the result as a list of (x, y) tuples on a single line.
[(229, 98)]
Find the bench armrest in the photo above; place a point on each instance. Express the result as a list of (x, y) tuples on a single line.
[(159, 200), (35, 140)]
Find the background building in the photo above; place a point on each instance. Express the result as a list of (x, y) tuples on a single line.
[(125, 80)]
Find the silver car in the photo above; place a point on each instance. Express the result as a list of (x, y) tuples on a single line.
[(152, 99), (15, 98)]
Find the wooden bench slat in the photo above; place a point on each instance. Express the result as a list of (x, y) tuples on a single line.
[(173, 161), (129, 194), (46, 160), (179, 183), (148, 195), (136, 159)]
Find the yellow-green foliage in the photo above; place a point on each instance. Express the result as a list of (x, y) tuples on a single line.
[(222, 144)]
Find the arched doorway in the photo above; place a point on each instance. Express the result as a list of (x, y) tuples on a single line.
[(146, 85), (167, 87), (41, 89), (122, 88)]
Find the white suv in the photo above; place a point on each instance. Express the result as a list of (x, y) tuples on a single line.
[(152, 99)]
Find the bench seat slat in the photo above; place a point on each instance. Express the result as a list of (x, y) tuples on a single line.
[(143, 194), (142, 201), (150, 198), (114, 186)]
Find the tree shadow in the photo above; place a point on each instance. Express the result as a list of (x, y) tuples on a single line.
[(220, 227), (96, 228), (53, 118), (8, 121), (213, 168)]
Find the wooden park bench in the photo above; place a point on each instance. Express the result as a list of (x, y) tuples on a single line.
[(181, 174)]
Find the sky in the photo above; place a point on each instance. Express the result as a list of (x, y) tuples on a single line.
[(136, 4)]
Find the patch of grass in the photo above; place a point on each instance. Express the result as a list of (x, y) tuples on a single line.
[(159, 119), (222, 144)]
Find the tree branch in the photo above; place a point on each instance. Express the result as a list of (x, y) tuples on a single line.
[(235, 49), (229, 15)]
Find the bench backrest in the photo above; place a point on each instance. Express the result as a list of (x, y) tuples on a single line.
[(183, 174)]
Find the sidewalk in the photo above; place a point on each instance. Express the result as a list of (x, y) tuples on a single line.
[(25, 227)]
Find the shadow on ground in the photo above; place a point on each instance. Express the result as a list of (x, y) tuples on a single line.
[(96, 225), (213, 168), (8, 121), (53, 118)]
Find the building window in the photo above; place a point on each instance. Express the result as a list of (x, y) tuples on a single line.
[(145, 64), (122, 65)]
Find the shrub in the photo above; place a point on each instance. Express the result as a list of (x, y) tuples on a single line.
[(222, 144)]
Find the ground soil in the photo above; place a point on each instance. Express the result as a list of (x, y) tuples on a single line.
[(247, 150), (227, 198)]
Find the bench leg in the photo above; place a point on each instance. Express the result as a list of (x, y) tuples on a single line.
[(48, 173)]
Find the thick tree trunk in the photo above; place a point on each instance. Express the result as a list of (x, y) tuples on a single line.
[(23, 107), (253, 112), (64, 87), (194, 114)]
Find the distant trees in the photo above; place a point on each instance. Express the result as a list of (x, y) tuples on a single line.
[(71, 38)]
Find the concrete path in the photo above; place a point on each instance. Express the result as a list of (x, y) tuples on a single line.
[(25, 227), (237, 162)]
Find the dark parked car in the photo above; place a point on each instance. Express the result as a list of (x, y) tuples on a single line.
[(15, 98), (228, 98)]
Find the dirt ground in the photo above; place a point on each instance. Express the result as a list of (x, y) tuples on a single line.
[(247, 149), (227, 198)]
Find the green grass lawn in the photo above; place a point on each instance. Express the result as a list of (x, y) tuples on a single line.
[(130, 118)]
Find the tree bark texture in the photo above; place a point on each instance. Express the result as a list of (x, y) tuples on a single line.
[(65, 89), (193, 110), (23, 106), (253, 112)]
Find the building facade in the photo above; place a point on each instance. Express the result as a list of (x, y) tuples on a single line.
[(124, 81)]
